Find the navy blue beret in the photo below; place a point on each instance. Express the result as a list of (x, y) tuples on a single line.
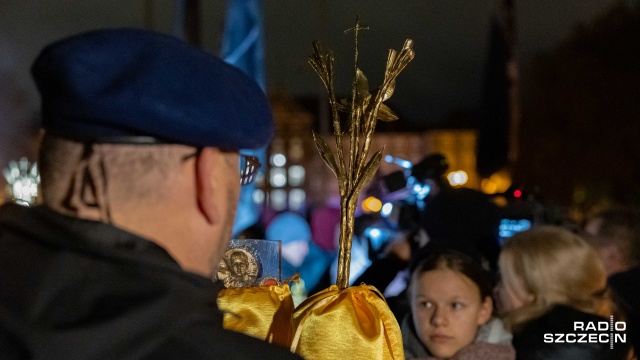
[(106, 85)]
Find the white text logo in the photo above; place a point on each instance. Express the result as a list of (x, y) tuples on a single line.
[(593, 332)]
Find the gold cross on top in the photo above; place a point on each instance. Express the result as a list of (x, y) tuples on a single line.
[(357, 27)]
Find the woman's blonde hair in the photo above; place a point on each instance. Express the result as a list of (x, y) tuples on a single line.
[(552, 266)]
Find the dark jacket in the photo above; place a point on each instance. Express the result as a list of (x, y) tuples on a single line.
[(627, 293), (79, 289), (530, 344)]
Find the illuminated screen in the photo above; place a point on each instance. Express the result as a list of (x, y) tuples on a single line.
[(508, 227)]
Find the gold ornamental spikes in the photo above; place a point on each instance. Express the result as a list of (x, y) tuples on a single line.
[(365, 107)]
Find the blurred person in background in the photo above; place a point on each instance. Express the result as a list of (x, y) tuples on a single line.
[(325, 227), (550, 279), (461, 219), (299, 254), (615, 234)]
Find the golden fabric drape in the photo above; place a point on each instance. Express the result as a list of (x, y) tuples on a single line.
[(354, 323), (264, 312)]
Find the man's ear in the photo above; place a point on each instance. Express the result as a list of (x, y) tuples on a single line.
[(206, 183)]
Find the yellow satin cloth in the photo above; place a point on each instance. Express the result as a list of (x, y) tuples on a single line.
[(264, 312), (355, 323)]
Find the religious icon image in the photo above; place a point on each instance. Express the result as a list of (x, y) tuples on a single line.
[(238, 269), (250, 262)]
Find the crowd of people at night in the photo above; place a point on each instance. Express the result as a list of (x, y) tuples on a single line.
[(140, 180), (467, 293)]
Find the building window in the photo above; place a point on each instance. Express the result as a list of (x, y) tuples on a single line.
[(278, 177), (296, 149), (296, 199), (278, 199), (278, 160), (258, 196), (296, 175)]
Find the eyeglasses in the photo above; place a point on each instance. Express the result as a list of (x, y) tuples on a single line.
[(249, 166)]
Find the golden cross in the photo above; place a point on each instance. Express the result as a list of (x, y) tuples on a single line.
[(357, 27)]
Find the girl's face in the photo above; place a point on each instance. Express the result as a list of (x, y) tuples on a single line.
[(447, 310)]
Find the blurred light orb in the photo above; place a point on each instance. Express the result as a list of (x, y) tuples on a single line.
[(499, 182), (278, 177), (421, 191), (279, 180), (278, 160), (375, 233), (371, 204), (386, 210), (278, 200), (258, 196), (457, 178), (296, 199), (296, 175)]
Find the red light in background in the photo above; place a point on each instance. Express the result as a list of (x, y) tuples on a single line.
[(517, 193)]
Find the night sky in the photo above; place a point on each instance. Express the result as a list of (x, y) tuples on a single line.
[(450, 41)]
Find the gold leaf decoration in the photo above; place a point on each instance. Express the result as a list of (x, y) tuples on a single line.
[(364, 110), (362, 87), (368, 171), (326, 154), (386, 114)]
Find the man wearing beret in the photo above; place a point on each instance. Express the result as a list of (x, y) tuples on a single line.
[(140, 177)]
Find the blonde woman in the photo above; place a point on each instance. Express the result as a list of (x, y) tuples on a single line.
[(552, 281)]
